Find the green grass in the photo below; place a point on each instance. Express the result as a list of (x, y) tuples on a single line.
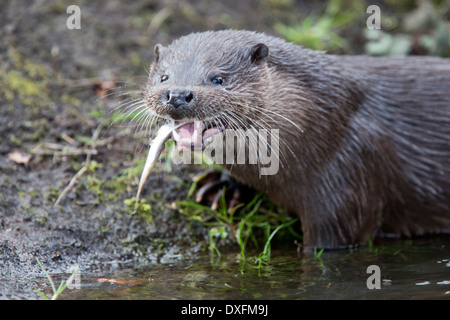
[(264, 256), (62, 286), (249, 226), (317, 254)]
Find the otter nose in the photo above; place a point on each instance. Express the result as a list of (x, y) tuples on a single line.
[(179, 98)]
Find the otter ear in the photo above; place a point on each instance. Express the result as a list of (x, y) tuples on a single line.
[(158, 49), (259, 52)]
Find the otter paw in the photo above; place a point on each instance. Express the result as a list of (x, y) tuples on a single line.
[(212, 185)]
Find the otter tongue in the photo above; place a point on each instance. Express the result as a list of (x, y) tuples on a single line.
[(189, 134)]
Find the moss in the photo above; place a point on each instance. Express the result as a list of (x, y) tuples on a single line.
[(17, 83), (25, 79), (143, 209), (31, 68), (41, 218), (14, 141), (114, 188), (53, 194), (39, 129), (94, 184), (68, 99), (93, 166), (33, 194)]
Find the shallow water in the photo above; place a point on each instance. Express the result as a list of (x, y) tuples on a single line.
[(408, 270)]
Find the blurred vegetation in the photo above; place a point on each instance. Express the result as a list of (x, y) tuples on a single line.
[(425, 30), (407, 27), (319, 32)]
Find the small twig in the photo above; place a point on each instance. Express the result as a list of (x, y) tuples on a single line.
[(158, 20), (74, 180), (93, 145), (83, 169), (69, 139), (155, 24), (63, 150), (108, 140)]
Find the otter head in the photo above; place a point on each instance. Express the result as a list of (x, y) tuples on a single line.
[(208, 82)]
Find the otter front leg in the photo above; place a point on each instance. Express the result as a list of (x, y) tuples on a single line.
[(212, 185)]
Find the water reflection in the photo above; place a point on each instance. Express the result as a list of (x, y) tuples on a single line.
[(408, 270)]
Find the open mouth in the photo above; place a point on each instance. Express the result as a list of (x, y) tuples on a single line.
[(196, 134)]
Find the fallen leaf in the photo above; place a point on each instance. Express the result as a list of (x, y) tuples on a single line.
[(104, 87), (19, 158)]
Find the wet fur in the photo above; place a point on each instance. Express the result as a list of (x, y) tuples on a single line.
[(365, 142)]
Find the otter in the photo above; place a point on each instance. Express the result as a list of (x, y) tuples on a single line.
[(364, 141)]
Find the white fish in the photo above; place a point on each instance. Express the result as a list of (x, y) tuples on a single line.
[(156, 148)]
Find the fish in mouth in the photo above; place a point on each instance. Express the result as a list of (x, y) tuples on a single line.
[(191, 135)]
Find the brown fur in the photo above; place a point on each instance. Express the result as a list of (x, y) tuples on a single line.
[(365, 142)]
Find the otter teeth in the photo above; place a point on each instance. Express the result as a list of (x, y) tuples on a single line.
[(176, 135), (198, 125)]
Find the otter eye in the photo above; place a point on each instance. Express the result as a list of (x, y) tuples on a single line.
[(217, 80), (164, 77)]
